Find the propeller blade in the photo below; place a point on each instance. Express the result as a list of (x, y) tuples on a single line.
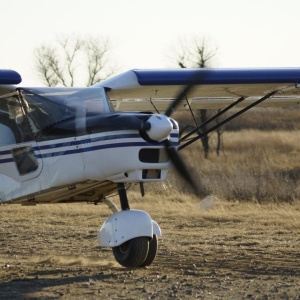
[(171, 150), (180, 166)]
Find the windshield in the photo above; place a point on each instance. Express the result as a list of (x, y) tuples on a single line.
[(49, 106)]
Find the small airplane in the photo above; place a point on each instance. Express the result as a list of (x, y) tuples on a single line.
[(67, 145)]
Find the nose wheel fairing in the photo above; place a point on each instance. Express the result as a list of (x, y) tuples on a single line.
[(132, 235), (125, 225)]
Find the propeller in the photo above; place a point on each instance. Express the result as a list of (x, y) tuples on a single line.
[(180, 166), (171, 150)]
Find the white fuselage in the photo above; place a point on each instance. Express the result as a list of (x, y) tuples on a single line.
[(113, 156)]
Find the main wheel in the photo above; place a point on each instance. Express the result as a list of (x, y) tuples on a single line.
[(153, 245), (132, 253)]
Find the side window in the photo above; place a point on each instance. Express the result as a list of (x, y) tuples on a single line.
[(14, 127), (25, 160)]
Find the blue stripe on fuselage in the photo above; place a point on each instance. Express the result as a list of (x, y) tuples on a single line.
[(89, 148)]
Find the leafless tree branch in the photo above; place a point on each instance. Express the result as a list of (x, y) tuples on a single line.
[(71, 57)]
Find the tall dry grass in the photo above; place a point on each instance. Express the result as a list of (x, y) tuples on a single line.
[(262, 118), (255, 164)]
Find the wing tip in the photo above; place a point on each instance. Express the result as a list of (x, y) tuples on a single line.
[(9, 77)]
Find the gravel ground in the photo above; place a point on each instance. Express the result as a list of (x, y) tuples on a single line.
[(54, 255)]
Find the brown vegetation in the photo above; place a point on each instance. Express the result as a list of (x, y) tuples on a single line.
[(209, 250), (260, 118), (254, 164)]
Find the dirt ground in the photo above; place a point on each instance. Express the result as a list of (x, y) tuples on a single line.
[(232, 251)]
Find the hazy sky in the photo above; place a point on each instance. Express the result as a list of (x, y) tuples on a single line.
[(248, 33)]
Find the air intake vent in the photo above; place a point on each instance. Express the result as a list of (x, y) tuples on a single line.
[(149, 155), (151, 174)]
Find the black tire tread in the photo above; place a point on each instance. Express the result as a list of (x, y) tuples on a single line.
[(135, 255), (153, 246)]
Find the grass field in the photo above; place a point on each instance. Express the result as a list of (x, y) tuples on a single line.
[(255, 163)]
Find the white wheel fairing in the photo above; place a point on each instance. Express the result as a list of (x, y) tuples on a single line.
[(126, 225)]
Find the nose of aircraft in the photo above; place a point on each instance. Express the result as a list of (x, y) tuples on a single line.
[(160, 127)]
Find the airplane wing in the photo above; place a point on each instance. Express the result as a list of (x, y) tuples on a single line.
[(7, 78), (153, 90)]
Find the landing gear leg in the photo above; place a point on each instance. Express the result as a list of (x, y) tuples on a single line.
[(123, 196)]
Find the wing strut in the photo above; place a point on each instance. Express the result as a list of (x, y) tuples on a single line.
[(197, 129), (200, 136), (197, 126)]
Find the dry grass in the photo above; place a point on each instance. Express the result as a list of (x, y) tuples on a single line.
[(260, 118), (218, 210), (65, 234), (267, 118), (262, 166)]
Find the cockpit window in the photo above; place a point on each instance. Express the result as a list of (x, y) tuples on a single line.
[(50, 106)]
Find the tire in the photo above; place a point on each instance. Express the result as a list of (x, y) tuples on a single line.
[(153, 245), (132, 253)]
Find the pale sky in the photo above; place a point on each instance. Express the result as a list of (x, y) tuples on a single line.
[(247, 33)]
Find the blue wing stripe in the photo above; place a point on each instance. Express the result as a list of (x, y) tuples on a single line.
[(217, 76)]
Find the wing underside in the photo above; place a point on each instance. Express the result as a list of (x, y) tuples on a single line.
[(91, 192), (153, 90)]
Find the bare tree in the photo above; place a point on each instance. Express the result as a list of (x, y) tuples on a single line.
[(198, 54), (71, 60), (195, 53), (97, 60)]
